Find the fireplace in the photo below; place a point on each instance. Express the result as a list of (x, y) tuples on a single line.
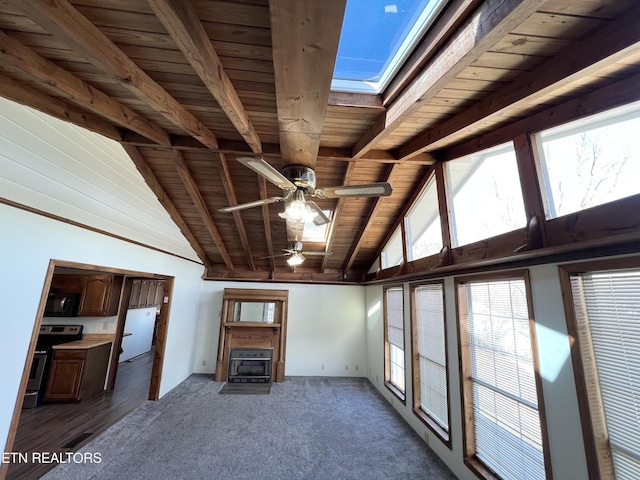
[(250, 365)]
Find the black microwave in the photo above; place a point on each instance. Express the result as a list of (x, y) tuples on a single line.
[(62, 305)]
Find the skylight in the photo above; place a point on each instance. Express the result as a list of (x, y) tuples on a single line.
[(316, 233), (377, 37)]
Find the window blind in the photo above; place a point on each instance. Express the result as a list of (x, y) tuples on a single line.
[(609, 304), (395, 317), (507, 430), (429, 304)]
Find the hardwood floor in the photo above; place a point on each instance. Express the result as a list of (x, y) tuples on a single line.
[(65, 427)]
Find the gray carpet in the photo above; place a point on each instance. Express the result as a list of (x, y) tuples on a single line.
[(306, 428)]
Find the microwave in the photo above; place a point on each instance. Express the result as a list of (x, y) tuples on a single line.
[(62, 305)]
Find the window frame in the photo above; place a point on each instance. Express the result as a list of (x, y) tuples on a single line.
[(434, 426), (590, 405), (431, 181), (468, 426), (387, 345)]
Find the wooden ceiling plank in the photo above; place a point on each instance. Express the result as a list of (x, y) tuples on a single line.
[(490, 22), (155, 186), (64, 21), (305, 36), (201, 207), (571, 63), (182, 22), (266, 220), (42, 102), (360, 100), (233, 200), (23, 59)]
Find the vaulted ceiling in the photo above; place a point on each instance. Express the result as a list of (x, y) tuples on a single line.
[(189, 86)]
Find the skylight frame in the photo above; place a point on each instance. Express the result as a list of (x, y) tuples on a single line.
[(423, 23)]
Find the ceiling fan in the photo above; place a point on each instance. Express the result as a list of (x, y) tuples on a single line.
[(296, 255), (297, 183)]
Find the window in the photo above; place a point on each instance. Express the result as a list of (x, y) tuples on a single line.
[(430, 391), (503, 433), (316, 233), (606, 309), (377, 37), (422, 224), (590, 162), (486, 199), (392, 254), (394, 340)]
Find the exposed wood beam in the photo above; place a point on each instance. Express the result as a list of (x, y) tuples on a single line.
[(20, 93), (573, 62), (155, 186), (24, 60), (64, 21), (201, 207), (305, 35), (233, 200), (489, 23), (182, 22), (333, 278), (360, 100), (337, 213), (266, 220), (370, 216)]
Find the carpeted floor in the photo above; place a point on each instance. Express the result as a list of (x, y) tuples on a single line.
[(306, 428)]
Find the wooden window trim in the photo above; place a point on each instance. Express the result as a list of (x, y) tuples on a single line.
[(387, 359), (596, 445), (464, 374), (442, 434)]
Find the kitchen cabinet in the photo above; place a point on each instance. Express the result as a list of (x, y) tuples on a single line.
[(77, 373), (99, 294), (146, 293)]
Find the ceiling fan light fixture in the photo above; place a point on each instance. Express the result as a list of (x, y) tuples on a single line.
[(295, 259), (297, 209)]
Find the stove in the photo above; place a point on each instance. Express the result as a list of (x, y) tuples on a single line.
[(49, 336)]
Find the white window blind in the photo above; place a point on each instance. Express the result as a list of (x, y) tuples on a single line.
[(395, 336), (507, 431), (429, 310), (608, 304)]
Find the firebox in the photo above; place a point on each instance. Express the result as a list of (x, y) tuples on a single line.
[(250, 365)]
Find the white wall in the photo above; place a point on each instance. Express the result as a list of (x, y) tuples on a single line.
[(28, 242), (140, 324), (562, 416), (326, 326)]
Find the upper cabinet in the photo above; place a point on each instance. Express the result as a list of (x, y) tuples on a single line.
[(99, 294), (146, 293)]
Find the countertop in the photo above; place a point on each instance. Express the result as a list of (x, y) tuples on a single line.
[(89, 340)]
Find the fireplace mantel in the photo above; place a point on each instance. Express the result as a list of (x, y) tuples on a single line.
[(237, 332)]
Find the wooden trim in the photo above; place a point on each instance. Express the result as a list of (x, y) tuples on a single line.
[(65, 22), (442, 434), (266, 223), (357, 100), (255, 295), (444, 209), (182, 22), (117, 341), (87, 227), (161, 340)]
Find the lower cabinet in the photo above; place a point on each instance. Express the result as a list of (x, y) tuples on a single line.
[(77, 373)]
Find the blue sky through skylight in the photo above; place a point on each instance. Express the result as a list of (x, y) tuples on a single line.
[(377, 36)]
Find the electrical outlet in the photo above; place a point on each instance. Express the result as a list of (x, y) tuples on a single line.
[(369, 372), (346, 367), (105, 326), (376, 378), (204, 362), (322, 367), (357, 367)]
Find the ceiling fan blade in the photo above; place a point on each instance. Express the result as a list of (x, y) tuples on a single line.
[(275, 256), (256, 203), (379, 189), (319, 254), (321, 218), (262, 168)]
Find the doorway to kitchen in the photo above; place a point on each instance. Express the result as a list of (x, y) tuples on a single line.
[(69, 425)]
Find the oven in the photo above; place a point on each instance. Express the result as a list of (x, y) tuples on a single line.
[(48, 336)]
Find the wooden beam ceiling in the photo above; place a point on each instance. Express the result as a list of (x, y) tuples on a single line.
[(305, 36), (182, 22), (65, 22)]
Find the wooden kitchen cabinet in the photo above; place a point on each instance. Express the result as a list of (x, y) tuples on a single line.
[(146, 293), (77, 373), (99, 294)]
